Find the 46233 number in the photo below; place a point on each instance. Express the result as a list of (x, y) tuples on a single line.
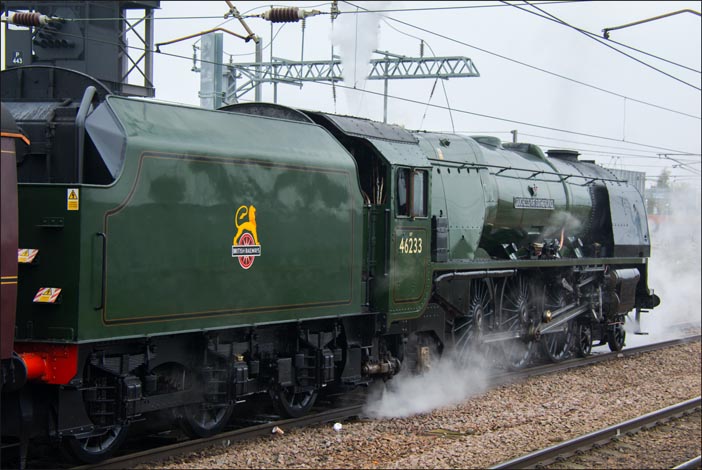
[(410, 245)]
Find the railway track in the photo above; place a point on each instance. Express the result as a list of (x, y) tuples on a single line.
[(598, 438), (225, 439), (347, 412)]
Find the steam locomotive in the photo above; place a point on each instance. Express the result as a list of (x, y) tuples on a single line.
[(161, 263)]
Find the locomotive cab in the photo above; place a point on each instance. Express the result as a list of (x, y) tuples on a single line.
[(395, 177)]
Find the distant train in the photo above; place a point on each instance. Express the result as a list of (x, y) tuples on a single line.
[(168, 261)]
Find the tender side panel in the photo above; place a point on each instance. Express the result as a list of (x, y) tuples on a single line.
[(182, 248), (172, 240)]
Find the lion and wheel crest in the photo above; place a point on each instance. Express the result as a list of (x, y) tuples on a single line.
[(245, 244)]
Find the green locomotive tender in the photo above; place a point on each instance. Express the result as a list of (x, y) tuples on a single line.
[(174, 261)]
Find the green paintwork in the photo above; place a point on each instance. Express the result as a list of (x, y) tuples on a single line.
[(458, 191), (568, 217), (401, 285), (410, 283), (479, 200), (169, 220)]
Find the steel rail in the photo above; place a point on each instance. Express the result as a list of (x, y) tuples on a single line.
[(224, 439), (692, 463), (227, 438), (510, 377), (586, 441)]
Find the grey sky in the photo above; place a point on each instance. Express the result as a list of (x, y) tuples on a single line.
[(505, 89), (606, 114)]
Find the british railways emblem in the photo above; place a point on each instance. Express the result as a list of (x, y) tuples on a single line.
[(245, 245)]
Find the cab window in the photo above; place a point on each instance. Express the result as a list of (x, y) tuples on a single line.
[(419, 193), (412, 187)]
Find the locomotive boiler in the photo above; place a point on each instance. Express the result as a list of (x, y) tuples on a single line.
[(173, 261)]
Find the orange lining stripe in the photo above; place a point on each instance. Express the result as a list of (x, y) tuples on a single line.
[(8, 280), (16, 136)]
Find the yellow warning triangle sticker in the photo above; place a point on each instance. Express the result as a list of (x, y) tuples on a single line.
[(72, 195)]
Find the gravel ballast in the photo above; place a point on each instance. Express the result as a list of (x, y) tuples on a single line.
[(487, 428)]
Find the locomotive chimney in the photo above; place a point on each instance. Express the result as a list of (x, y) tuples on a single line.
[(563, 154)]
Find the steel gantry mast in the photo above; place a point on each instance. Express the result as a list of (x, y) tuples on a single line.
[(244, 77), (241, 78)]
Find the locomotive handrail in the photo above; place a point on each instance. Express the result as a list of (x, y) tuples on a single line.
[(562, 176), (387, 241), (476, 274), (103, 270)]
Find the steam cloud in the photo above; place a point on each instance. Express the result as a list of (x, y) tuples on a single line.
[(562, 221), (674, 275), (448, 382), (356, 37), (674, 272)]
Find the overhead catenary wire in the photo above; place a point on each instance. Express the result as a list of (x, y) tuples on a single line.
[(680, 164), (550, 17), (409, 100), (651, 154), (586, 143), (448, 38), (606, 31), (269, 44), (441, 107), (596, 38), (319, 5), (448, 103), (514, 121), (365, 10), (394, 10), (617, 155), (593, 152), (693, 173)]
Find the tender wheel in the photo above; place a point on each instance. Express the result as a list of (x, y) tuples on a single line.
[(293, 404), (98, 447), (615, 337), (583, 345), (468, 329), (208, 417), (518, 313), (205, 419), (556, 346), (102, 407)]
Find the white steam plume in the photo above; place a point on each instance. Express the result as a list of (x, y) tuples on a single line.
[(447, 382), (355, 38), (674, 271)]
